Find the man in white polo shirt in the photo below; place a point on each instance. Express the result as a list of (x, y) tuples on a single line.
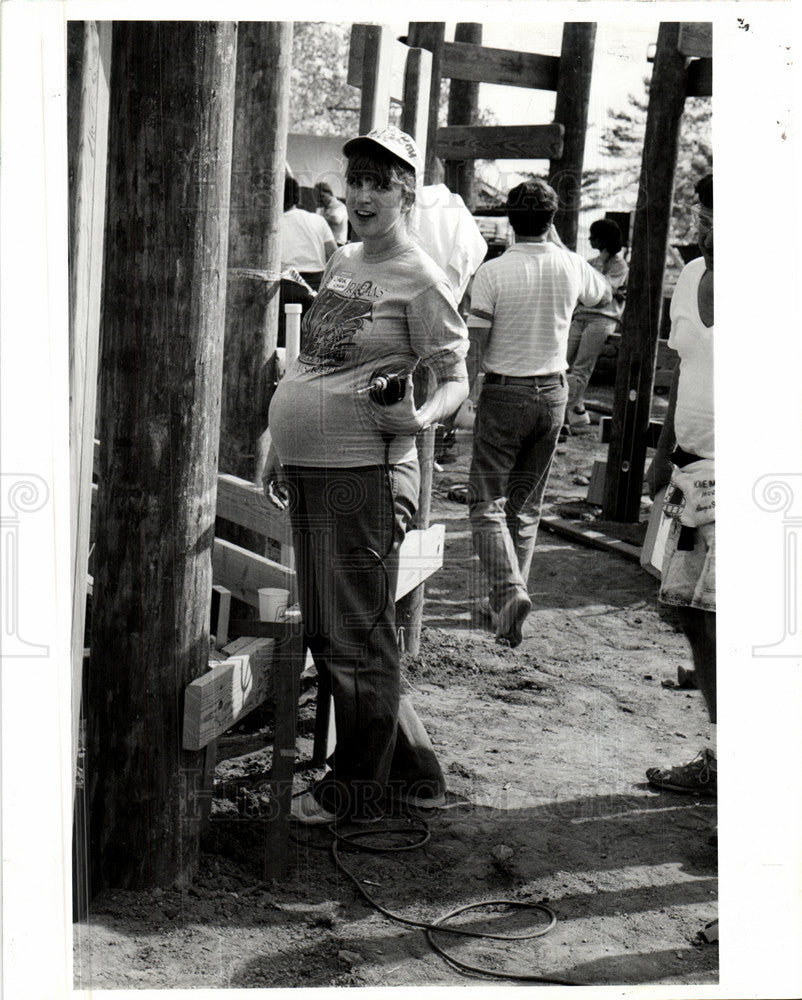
[(521, 308), (307, 242)]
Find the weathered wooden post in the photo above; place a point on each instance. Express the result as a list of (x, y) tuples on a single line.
[(430, 35), (636, 356), (261, 120), (172, 106), (571, 110), (463, 109)]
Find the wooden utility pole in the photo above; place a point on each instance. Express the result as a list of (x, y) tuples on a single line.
[(463, 109), (637, 351), (571, 110), (430, 35), (171, 124), (261, 121)]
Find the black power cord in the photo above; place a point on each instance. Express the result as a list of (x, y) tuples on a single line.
[(356, 838)]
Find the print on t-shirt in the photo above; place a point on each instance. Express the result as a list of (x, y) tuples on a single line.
[(339, 311)]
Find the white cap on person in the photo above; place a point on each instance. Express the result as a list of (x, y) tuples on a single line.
[(391, 139)]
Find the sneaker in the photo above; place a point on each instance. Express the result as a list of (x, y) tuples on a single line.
[(698, 776), (306, 809), (427, 799), (511, 618), (578, 418)]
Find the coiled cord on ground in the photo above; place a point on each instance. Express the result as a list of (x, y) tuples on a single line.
[(356, 839)]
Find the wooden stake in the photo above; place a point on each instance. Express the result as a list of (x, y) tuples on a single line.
[(463, 109), (571, 111), (172, 111), (430, 35), (637, 351), (264, 56)]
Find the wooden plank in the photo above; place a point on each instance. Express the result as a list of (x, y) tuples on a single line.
[(244, 503), (417, 90), (636, 356), (429, 35), (509, 142), (377, 63), (696, 39), (356, 56), (590, 537), (463, 109), (465, 61), (571, 110), (88, 147), (244, 572), (700, 78), (228, 691), (421, 555)]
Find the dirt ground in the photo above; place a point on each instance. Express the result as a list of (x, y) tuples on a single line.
[(545, 749)]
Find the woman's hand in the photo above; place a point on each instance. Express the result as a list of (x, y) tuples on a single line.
[(273, 483), (401, 417)]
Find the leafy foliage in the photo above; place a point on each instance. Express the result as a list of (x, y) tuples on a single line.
[(622, 145), (321, 100)]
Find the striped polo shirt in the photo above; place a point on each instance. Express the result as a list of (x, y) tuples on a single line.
[(527, 297)]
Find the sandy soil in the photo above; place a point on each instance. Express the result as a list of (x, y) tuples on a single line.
[(545, 749)]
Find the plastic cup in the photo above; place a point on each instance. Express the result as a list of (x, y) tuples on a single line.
[(273, 603)]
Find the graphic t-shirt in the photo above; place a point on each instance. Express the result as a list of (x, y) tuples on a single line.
[(373, 314)]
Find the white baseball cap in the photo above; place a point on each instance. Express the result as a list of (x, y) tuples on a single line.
[(391, 139)]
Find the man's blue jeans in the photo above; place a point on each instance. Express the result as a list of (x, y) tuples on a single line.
[(514, 439), (347, 527)]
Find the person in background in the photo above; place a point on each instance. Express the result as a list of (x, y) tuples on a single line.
[(333, 211), (684, 461), (592, 325), (521, 307), (306, 240), (347, 468)]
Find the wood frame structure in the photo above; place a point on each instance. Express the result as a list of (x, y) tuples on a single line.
[(561, 142)]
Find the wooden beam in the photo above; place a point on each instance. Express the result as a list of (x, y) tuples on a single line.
[(571, 110), (228, 691), (509, 142), (696, 39), (356, 57), (261, 123), (417, 94), (171, 125), (430, 35), (88, 144), (243, 572), (652, 432), (245, 504), (700, 78), (464, 61), (591, 537), (463, 109), (377, 66), (637, 350)]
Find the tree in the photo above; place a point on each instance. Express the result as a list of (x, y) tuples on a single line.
[(622, 147), (321, 100)]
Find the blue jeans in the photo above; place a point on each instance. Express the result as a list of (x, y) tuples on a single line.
[(586, 338), (514, 439), (347, 527)]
